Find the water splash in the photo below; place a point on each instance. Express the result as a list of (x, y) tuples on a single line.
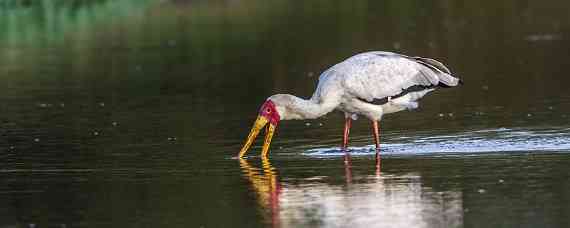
[(480, 141)]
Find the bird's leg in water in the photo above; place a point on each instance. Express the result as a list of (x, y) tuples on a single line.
[(376, 135), (377, 142), (347, 125), (347, 168)]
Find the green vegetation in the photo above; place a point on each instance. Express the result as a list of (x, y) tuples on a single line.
[(41, 22)]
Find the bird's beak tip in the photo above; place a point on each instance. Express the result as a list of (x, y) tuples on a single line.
[(259, 123)]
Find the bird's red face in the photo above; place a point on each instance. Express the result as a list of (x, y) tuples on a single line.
[(269, 111), (267, 114)]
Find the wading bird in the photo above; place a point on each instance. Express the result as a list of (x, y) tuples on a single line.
[(369, 84)]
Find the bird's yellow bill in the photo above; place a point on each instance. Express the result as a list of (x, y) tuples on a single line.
[(260, 122)]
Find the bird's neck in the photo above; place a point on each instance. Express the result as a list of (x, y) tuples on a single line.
[(313, 108)]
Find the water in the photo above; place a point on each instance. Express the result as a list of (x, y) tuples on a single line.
[(469, 142), (127, 113)]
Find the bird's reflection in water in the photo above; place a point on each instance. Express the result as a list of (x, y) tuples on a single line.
[(266, 185), (348, 167), (377, 200)]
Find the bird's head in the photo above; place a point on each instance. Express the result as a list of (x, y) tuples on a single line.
[(268, 115)]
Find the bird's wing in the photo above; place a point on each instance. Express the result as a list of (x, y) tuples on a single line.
[(443, 73), (378, 75)]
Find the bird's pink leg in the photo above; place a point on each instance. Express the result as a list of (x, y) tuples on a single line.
[(347, 125), (377, 142), (376, 135)]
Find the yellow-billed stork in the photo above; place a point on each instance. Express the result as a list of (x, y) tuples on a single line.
[(370, 84)]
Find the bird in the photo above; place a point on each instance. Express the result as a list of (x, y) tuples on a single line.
[(369, 84)]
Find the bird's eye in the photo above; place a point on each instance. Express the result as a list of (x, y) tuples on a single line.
[(268, 110)]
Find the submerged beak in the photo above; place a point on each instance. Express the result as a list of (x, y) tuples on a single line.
[(260, 122)]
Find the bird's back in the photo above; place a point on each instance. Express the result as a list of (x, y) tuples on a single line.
[(378, 75)]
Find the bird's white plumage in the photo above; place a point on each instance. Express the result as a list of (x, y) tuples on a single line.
[(353, 86), (377, 75)]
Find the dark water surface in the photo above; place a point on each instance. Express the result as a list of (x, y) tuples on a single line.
[(127, 113)]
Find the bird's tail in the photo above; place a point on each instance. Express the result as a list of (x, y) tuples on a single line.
[(447, 80)]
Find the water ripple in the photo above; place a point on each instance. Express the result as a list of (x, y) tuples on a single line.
[(480, 141)]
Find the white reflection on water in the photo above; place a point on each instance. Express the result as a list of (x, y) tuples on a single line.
[(481, 141), (378, 200)]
